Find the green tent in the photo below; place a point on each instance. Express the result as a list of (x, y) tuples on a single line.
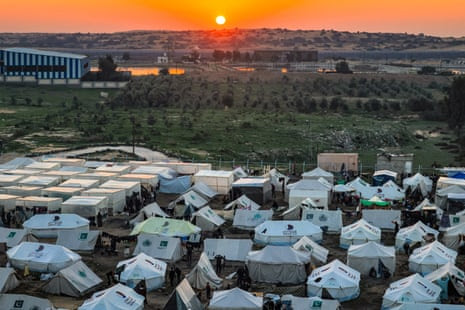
[(369, 203)]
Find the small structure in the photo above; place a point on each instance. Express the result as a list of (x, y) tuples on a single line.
[(119, 169), (118, 296), (183, 297), (8, 202), (243, 202), (218, 180), (86, 206), (382, 176), (338, 162), (430, 257), (286, 232), (232, 249), (372, 255), (207, 219), (10, 179), (22, 190), (116, 197), (314, 189), (40, 204), (359, 233), (167, 249), (143, 268), (202, 274), (80, 183), (328, 220), (235, 299), (13, 237), (413, 234), (310, 303), (317, 173), (61, 192), (249, 219), (166, 227), (38, 180), (48, 225), (446, 275), (257, 189), (11, 301), (8, 280), (400, 163), (78, 240), (131, 188), (316, 251), (418, 182)]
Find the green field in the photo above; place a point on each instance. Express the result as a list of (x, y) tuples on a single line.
[(190, 124)]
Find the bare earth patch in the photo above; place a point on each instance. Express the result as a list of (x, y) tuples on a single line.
[(7, 111)]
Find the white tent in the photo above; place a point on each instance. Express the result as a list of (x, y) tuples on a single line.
[(61, 192), (448, 273), (116, 197), (422, 306), (390, 191), (184, 298), (420, 182), (310, 303), (78, 240), (242, 202), (129, 187), (41, 257), (153, 209), (339, 281), (239, 173), (317, 173), (148, 179), (278, 179), (86, 206), (207, 219), (76, 280), (120, 169), (453, 236), (441, 195), (413, 289), (140, 268), (235, 299), (18, 162), (10, 179), (80, 183), (63, 161), (278, 264), (220, 181), (203, 189), (233, 249), (249, 219), (22, 190), (358, 233), (316, 251), (190, 200), (328, 220), (24, 302), (257, 188), (48, 225), (426, 205), (102, 177), (23, 171), (365, 256), (116, 297), (413, 234), (13, 237), (296, 212), (383, 219), (430, 257), (203, 273), (183, 167), (286, 232), (49, 204), (444, 182), (314, 189), (40, 181), (365, 190), (8, 280), (342, 188), (165, 248)]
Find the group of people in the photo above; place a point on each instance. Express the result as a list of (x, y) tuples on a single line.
[(174, 273)]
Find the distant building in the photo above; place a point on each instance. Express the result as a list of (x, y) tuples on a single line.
[(285, 55), (31, 65), (400, 163), (163, 59)]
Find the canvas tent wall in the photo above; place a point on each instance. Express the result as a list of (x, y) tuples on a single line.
[(190, 199), (444, 182), (413, 234), (235, 299), (242, 202), (18, 162), (116, 197), (86, 206), (382, 176), (249, 219), (119, 169), (41, 257), (39, 181), (63, 161), (310, 303), (413, 289), (22, 190), (220, 181), (8, 202), (317, 252), (358, 233), (10, 179), (13, 237), (257, 189), (430, 257), (452, 236), (166, 227), (8, 280), (418, 182), (183, 298), (102, 177), (423, 306), (278, 264), (369, 255), (233, 249), (174, 185), (445, 275), (313, 189), (63, 175), (207, 219), (327, 220), (317, 173), (76, 280), (286, 232), (143, 268), (383, 219), (144, 179), (278, 179), (203, 190), (78, 240), (202, 274), (61, 192), (27, 172), (44, 204), (167, 249), (130, 188), (184, 168), (337, 162), (24, 302), (118, 296), (48, 225), (43, 166), (335, 279), (80, 183)]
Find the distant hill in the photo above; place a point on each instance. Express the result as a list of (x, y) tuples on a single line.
[(242, 39)]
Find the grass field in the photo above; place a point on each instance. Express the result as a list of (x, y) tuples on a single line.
[(39, 119)]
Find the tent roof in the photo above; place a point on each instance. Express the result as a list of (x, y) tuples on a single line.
[(18, 162), (214, 173), (166, 227), (202, 273), (186, 295), (416, 232), (371, 249), (244, 202), (116, 297), (421, 289), (203, 189), (8, 301), (85, 200), (361, 227), (193, 199), (342, 188), (312, 303), (235, 299), (446, 270), (5, 273), (154, 209), (55, 221), (450, 189), (455, 230), (385, 172), (311, 185), (431, 253), (279, 255), (317, 251), (80, 276), (141, 267), (210, 215), (251, 182), (334, 275), (317, 172), (280, 228)]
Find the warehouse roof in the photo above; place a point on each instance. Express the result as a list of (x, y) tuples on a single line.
[(42, 52)]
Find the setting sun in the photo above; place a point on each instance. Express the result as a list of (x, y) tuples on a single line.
[(220, 20)]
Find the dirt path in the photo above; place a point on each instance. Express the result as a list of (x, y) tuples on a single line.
[(143, 152)]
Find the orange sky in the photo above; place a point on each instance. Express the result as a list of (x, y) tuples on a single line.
[(436, 17)]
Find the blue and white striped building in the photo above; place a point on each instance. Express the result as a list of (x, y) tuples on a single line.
[(27, 62)]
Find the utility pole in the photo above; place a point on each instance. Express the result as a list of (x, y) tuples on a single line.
[(133, 123)]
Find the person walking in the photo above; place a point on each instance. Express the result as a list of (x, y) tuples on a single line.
[(171, 275), (189, 253), (218, 259), (99, 219), (178, 274), (208, 289)]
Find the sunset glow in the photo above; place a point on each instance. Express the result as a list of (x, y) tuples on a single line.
[(220, 20), (435, 17)]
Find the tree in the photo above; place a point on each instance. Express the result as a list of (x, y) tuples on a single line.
[(126, 56), (343, 67), (218, 55), (164, 71), (236, 56), (455, 103), (107, 66), (427, 70)]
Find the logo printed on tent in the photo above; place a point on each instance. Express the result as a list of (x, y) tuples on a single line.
[(163, 244), (82, 274), (11, 234), (323, 218), (83, 236), (18, 304)]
